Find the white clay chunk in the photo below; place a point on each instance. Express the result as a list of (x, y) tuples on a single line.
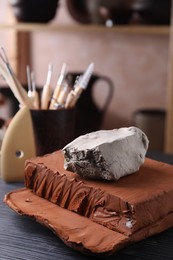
[(107, 154)]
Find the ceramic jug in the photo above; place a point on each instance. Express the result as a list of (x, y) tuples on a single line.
[(89, 117)]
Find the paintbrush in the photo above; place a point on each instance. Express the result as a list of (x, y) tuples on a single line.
[(35, 95), (45, 98), (32, 93), (58, 87), (79, 87), (12, 81)]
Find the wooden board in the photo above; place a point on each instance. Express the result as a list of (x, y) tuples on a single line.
[(23, 238)]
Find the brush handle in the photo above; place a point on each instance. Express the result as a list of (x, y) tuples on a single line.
[(45, 98)]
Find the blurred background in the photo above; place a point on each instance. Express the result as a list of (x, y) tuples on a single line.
[(132, 52)]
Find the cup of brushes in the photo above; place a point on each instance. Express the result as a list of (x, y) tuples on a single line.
[(44, 123)]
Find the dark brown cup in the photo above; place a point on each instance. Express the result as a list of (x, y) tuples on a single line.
[(53, 129)]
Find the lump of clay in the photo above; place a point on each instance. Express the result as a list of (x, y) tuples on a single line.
[(107, 154)]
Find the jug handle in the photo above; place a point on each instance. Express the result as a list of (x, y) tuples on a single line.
[(110, 93)]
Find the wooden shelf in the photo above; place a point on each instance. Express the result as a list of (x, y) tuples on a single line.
[(139, 29)]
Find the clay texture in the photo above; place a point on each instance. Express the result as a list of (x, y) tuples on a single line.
[(107, 154)]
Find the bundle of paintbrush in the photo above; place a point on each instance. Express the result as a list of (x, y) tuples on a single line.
[(63, 96), (8, 75)]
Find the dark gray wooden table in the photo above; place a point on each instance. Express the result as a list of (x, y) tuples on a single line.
[(22, 238)]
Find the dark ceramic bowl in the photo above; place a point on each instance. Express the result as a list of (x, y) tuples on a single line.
[(156, 12), (34, 11), (78, 10), (83, 13)]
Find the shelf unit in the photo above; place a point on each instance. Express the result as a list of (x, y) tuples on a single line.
[(169, 118), (20, 46), (21, 34), (139, 29)]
